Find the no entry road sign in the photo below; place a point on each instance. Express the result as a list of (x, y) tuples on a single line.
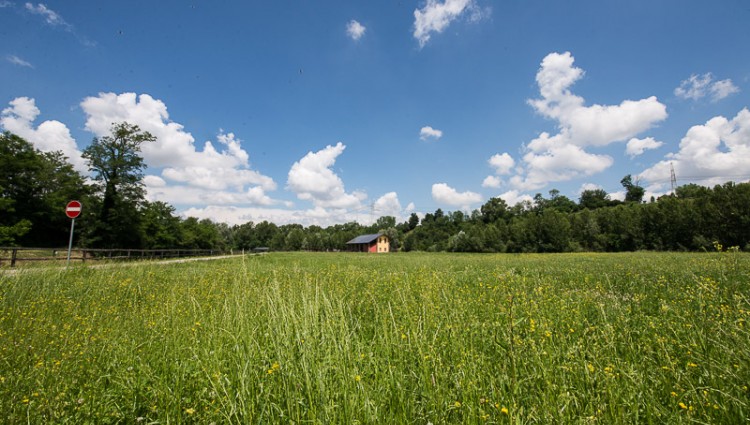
[(73, 209)]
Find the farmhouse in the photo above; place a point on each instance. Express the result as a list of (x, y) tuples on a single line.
[(369, 243)]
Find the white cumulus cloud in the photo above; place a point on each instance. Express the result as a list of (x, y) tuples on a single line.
[(388, 205), (355, 30), (709, 154), (428, 132), (436, 16), (445, 194), (314, 216), (588, 186), (49, 136), (513, 197), (563, 156), (492, 181), (636, 146), (699, 86), (221, 168), (502, 163), (722, 89), (312, 179)]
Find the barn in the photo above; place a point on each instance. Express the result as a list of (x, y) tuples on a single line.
[(369, 243)]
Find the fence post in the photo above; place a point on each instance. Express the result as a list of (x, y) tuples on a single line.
[(13, 258)]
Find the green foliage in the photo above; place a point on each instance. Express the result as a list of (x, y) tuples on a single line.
[(10, 234), (117, 166), (594, 198), (493, 210), (34, 189), (633, 192), (160, 228)]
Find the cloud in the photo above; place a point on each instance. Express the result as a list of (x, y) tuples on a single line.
[(355, 30), (502, 163), (312, 179), (5, 3), (721, 89), (699, 86), (492, 181), (563, 156), (54, 19), (388, 205), (313, 216), (240, 215), (513, 197), (435, 17), (588, 186), (174, 147), (186, 194), (709, 154), (221, 168), (49, 136), (15, 60), (428, 132), (636, 146), (445, 194), (50, 16)]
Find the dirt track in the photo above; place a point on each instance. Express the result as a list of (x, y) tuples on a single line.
[(122, 264)]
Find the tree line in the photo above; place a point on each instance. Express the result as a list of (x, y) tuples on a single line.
[(35, 186)]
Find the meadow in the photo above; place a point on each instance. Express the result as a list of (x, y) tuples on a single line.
[(415, 338)]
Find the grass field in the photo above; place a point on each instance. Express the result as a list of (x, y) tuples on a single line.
[(381, 339)]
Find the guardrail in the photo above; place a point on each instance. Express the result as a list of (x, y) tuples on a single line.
[(14, 255)]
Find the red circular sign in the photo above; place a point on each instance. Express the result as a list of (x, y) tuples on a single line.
[(73, 209)]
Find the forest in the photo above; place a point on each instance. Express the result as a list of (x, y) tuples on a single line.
[(35, 186)]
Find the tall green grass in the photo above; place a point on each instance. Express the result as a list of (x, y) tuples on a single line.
[(353, 338)]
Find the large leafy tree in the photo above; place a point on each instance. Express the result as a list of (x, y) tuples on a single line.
[(161, 228), (117, 167), (19, 167), (594, 198), (34, 188), (633, 191)]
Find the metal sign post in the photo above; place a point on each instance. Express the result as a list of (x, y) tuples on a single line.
[(72, 210), (70, 243)]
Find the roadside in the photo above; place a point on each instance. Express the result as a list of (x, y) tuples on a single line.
[(121, 264)]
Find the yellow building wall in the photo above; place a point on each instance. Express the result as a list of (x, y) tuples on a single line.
[(383, 244)]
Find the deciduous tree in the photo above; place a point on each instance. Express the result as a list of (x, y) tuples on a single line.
[(117, 167)]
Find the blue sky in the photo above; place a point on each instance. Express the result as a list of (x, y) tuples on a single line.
[(331, 111)]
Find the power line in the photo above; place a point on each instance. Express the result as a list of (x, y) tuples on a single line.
[(701, 178)]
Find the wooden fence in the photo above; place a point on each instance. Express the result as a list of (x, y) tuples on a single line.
[(11, 256)]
